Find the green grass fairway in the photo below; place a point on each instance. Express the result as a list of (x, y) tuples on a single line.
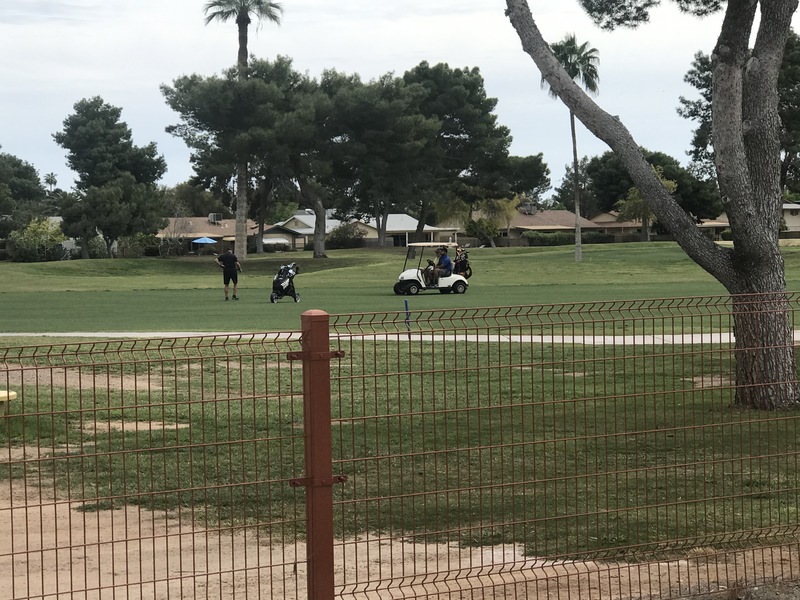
[(185, 294)]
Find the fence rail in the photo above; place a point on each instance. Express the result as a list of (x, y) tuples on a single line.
[(594, 450)]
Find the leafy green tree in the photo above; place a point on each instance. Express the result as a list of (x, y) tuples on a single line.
[(609, 181), (633, 207), (40, 240), (699, 110), (382, 144), (564, 195), (22, 196), (77, 222), (746, 136), (484, 229), (501, 212), (116, 186), (346, 235), (528, 175), (278, 115), (471, 161), (580, 63), (243, 12)]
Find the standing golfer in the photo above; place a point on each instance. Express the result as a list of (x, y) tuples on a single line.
[(230, 272)]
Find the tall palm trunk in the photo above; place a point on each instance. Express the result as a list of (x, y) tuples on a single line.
[(243, 21), (577, 190)]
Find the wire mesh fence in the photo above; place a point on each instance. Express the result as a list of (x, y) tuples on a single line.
[(597, 450)]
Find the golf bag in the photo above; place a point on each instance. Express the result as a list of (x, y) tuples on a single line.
[(283, 283), (461, 264)]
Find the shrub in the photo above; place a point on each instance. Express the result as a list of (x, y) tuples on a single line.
[(537, 238), (562, 238), (346, 235), (39, 241), (137, 245), (595, 237), (483, 229)]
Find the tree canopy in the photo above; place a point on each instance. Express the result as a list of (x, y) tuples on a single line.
[(699, 110), (393, 144), (22, 196), (116, 190)]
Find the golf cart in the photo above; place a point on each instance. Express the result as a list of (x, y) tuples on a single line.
[(412, 280)]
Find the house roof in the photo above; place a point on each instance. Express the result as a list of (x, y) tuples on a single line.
[(194, 227), (550, 220), (608, 220), (395, 223)]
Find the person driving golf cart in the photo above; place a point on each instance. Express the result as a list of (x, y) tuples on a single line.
[(442, 268)]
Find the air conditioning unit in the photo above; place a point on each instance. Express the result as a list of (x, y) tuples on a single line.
[(215, 218)]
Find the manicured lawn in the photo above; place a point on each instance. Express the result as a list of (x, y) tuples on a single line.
[(186, 294), (569, 450)]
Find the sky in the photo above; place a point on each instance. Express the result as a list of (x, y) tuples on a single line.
[(57, 52)]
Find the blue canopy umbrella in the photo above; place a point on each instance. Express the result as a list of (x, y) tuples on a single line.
[(204, 240)]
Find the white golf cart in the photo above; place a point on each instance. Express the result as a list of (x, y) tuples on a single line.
[(412, 280)]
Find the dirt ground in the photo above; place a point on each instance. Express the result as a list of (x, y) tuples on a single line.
[(54, 550)]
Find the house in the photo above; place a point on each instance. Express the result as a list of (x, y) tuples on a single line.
[(399, 229), (789, 211), (608, 223), (544, 221), (186, 229)]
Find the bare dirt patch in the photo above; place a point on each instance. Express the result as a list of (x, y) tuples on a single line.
[(77, 379), (56, 548), (711, 381)]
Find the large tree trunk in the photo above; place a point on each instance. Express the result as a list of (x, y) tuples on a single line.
[(645, 234), (577, 186), (313, 199), (745, 126), (765, 373), (380, 221), (320, 222), (85, 246), (241, 210)]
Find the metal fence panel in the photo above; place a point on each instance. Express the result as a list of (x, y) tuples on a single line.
[(152, 469), (583, 450)]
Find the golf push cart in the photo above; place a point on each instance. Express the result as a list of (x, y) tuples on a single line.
[(412, 280), (283, 283)]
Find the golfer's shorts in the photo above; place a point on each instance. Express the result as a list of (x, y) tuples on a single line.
[(228, 277)]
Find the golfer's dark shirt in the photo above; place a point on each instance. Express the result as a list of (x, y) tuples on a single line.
[(228, 262)]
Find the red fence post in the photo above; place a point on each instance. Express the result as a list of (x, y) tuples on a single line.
[(316, 356)]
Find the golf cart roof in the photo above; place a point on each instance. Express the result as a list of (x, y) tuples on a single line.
[(432, 245)]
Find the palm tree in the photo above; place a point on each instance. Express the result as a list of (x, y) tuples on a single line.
[(243, 12), (580, 62), (50, 181)]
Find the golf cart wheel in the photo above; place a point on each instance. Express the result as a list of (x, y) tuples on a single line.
[(412, 289), (297, 297), (273, 297), (398, 289), (459, 287)]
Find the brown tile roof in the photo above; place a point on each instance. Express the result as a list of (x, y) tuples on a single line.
[(549, 220), (608, 220), (194, 227)]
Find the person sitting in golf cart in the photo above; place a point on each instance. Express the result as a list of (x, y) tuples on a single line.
[(442, 268)]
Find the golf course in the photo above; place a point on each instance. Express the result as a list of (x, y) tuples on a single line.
[(185, 294)]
